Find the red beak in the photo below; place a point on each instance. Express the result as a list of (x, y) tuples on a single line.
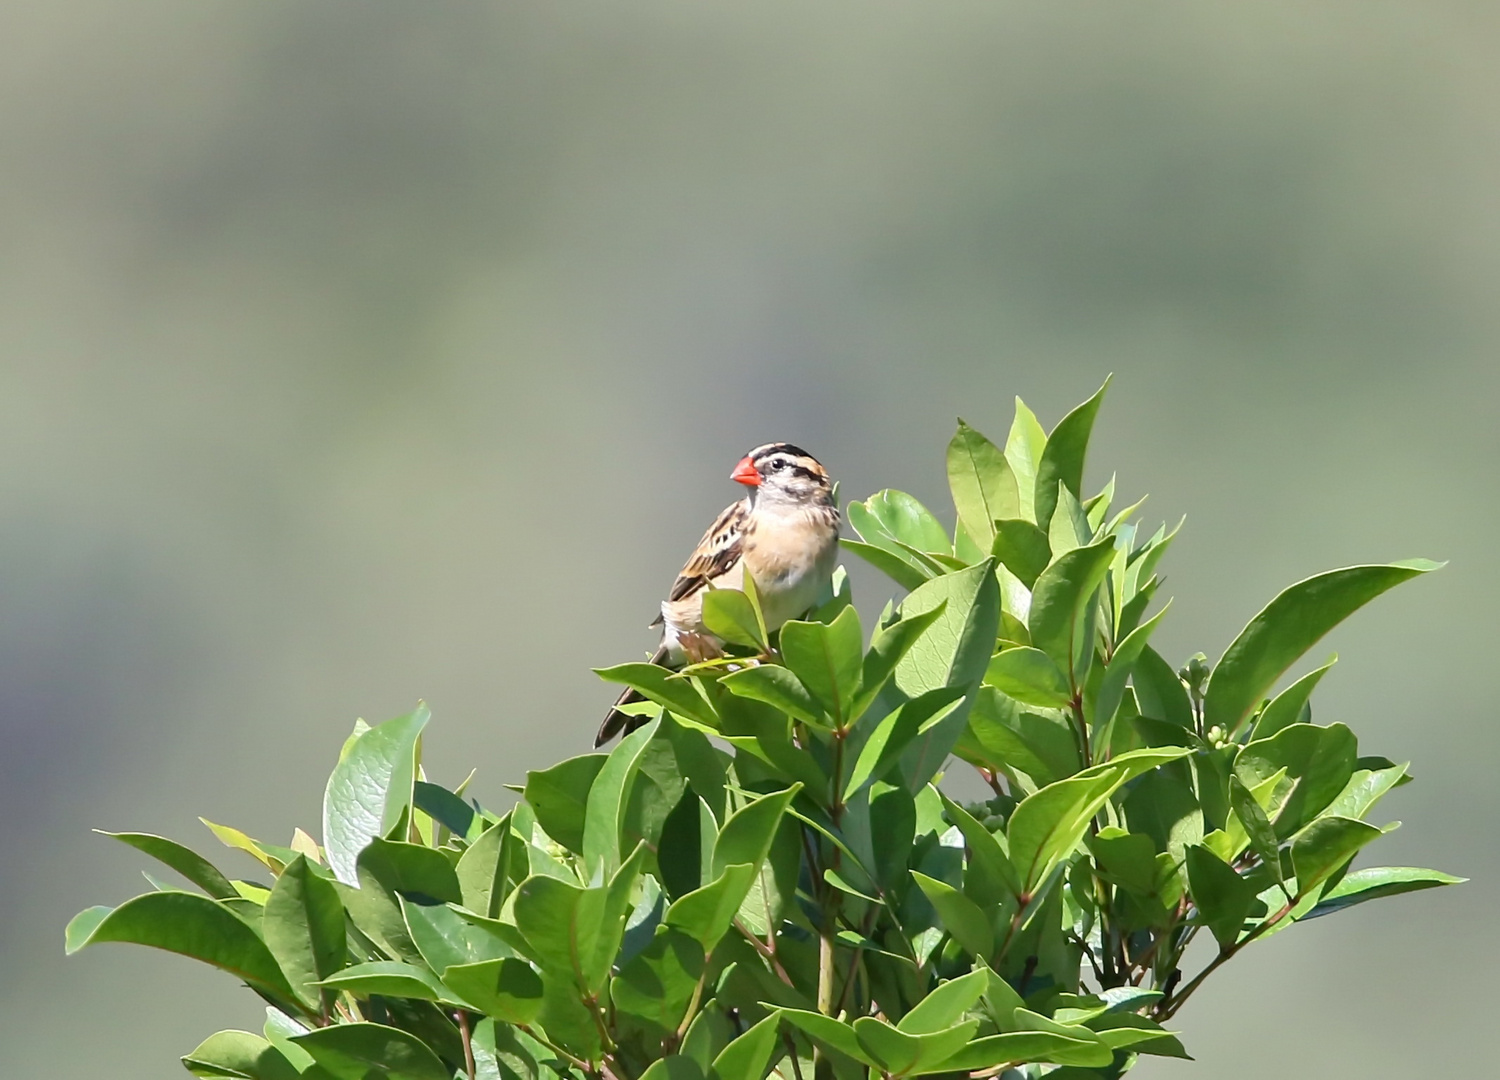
[(746, 473)]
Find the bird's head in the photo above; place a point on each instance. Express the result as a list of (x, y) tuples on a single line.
[(781, 472)]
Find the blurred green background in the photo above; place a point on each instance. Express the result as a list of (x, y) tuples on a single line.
[(356, 353)]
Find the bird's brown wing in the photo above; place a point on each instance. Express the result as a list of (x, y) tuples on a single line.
[(717, 553)]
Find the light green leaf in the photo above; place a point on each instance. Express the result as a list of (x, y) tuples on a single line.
[(945, 1006), (568, 929), (1286, 628), (746, 837), (507, 989), (907, 521), (1049, 823), (605, 813), (895, 733), (488, 867), (984, 488), (559, 797), (1030, 676), (1257, 826), (705, 913), (899, 566), (1324, 846), (1059, 605), (239, 1054), (827, 660), (1023, 548), (887, 648), (1377, 881), (1062, 459), (960, 916), (662, 686), (1290, 706), (955, 650), (370, 789), (657, 984), (730, 614), (830, 1032), (746, 1057), (411, 869), (389, 978), (1023, 452), (778, 687)]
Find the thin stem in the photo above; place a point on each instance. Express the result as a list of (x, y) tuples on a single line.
[(463, 1029), (791, 1048), (692, 1008), (1170, 1006), (825, 973)]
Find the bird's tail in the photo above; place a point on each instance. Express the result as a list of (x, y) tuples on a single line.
[(621, 723)]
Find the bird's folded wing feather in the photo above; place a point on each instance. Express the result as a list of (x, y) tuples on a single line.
[(717, 553)]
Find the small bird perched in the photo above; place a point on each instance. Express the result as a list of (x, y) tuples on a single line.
[(784, 533)]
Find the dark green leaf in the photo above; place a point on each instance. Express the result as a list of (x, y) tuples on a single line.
[(239, 1054), (887, 648), (901, 567), (1062, 459), (1158, 691), (568, 929), (188, 924), (362, 1051), (604, 840), (185, 861), (960, 916), (411, 869), (445, 938), (895, 733), (490, 865), (1224, 898), (303, 926), (370, 789), (444, 807), (1286, 628), (1375, 882), (658, 983), (1256, 825)]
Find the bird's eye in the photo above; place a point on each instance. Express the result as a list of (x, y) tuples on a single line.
[(777, 464)]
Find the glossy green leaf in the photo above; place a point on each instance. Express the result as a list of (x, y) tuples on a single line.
[(1063, 457), (960, 916), (1377, 881), (1022, 1046), (411, 869), (1048, 824), (832, 1033), (303, 926), (888, 647), (1365, 788), (238, 1054), (1024, 447), (747, 1056), (444, 807), (1030, 676), (185, 861), (746, 837), (1286, 628), (1158, 691), (903, 1054), (662, 686), (899, 566), (1320, 760), (1324, 846), (1224, 899), (657, 984), (895, 733), (827, 659), (363, 1050), (370, 789), (568, 929), (730, 614), (904, 519), (489, 866), (983, 486), (1023, 548), (188, 924), (604, 843), (389, 978), (1257, 826), (506, 988), (956, 648), (1290, 706), (778, 687), (559, 797), (705, 914), (1059, 604), (945, 1006), (444, 937)]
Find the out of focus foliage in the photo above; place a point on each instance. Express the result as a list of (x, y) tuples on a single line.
[(766, 876)]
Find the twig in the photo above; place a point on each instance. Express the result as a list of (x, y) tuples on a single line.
[(463, 1029)]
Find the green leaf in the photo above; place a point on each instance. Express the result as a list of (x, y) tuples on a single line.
[(303, 926), (1023, 452), (444, 807), (901, 567), (239, 1054), (888, 647), (362, 1051), (1102, 706), (1003, 734), (1049, 823), (778, 687), (1375, 882), (1022, 548), (188, 924), (895, 733), (506, 988), (902, 1054), (704, 914), (1319, 759), (411, 869), (830, 1032), (1069, 528), (1290, 706), (1060, 601), (1062, 459), (657, 984), (568, 929), (989, 879), (945, 1006), (1286, 628), (488, 867), (664, 687), (746, 1057), (185, 861), (729, 613), (1324, 846), (827, 660), (984, 488), (746, 837), (608, 798), (1256, 825), (1159, 692), (956, 648), (1030, 676), (445, 938), (1224, 898), (1365, 788), (960, 916), (1023, 1046), (907, 521), (559, 797), (389, 978), (370, 789)]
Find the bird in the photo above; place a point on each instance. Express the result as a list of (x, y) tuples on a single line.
[(784, 533)]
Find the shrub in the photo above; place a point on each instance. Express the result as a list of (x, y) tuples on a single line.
[(766, 875)]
